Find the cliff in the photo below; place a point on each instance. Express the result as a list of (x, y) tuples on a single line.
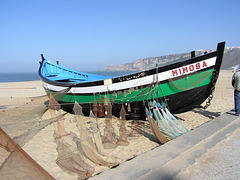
[(231, 58)]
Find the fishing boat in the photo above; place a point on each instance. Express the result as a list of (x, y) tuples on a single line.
[(182, 86)]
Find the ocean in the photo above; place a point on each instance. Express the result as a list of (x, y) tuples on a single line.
[(19, 77)]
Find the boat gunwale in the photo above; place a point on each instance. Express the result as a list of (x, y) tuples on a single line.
[(127, 76)]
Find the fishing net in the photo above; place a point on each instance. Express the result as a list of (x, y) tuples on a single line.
[(55, 109), (123, 131), (95, 108), (69, 158), (77, 150), (189, 83), (100, 108), (109, 141), (94, 130), (77, 109), (15, 163), (90, 140), (157, 133), (167, 123), (58, 95), (163, 125), (23, 114), (109, 138), (108, 107), (57, 119), (20, 120)]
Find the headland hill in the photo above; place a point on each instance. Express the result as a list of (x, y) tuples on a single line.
[(231, 59)]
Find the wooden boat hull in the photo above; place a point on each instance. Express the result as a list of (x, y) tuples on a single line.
[(182, 86)]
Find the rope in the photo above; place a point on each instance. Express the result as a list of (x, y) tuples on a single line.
[(185, 89)]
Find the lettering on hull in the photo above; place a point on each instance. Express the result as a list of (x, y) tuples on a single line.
[(189, 68)]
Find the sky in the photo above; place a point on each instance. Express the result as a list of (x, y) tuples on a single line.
[(87, 35)]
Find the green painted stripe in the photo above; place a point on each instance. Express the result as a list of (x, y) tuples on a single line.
[(133, 95)]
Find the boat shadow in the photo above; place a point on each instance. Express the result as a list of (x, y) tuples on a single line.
[(205, 113), (208, 114)]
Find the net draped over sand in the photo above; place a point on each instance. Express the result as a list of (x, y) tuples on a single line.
[(69, 157), (17, 164), (76, 153), (28, 122), (83, 151)]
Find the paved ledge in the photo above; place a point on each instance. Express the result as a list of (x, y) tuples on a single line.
[(166, 161)]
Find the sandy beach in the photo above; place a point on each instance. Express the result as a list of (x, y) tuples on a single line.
[(26, 119)]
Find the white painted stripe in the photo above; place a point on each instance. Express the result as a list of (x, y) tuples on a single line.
[(135, 82)]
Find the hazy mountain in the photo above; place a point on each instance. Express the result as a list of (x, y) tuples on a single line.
[(231, 58)]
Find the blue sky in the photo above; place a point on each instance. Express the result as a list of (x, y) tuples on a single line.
[(87, 35)]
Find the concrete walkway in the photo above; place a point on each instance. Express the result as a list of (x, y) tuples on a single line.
[(211, 151)]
